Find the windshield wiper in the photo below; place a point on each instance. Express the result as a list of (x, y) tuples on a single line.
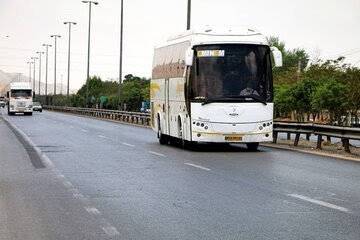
[(207, 101), (233, 98), (256, 97)]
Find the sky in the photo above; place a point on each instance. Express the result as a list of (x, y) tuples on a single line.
[(326, 29)]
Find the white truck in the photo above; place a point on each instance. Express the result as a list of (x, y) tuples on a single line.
[(20, 97)]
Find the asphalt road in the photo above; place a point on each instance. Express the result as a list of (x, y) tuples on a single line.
[(69, 177)]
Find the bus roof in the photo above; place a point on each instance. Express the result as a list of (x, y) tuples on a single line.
[(216, 35)]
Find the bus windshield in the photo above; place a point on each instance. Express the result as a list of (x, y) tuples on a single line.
[(20, 93), (231, 72)]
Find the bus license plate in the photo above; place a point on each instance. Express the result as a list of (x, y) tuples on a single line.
[(233, 138)]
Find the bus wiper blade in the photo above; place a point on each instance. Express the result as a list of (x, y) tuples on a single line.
[(257, 98), (207, 101), (226, 99), (233, 99), (247, 97)]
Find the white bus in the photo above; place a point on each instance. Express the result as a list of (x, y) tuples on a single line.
[(214, 86), (20, 98)]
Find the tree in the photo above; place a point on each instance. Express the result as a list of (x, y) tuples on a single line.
[(292, 60), (135, 91), (301, 98), (352, 79), (332, 96), (282, 100)]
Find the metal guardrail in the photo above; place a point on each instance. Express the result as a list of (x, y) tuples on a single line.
[(123, 116), (320, 130)]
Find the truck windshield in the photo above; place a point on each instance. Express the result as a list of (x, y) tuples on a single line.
[(230, 72), (20, 93)]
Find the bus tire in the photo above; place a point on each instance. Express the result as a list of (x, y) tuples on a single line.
[(252, 146), (183, 143), (162, 138)]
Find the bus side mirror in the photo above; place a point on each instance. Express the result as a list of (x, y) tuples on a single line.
[(189, 57), (277, 56)]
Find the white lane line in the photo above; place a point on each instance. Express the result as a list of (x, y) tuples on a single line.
[(67, 184), (322, 203), (101, 136), (156, 153), (198, 166), (110, 231), (127, 144), (83, 130), (79, 196), (92, 210)]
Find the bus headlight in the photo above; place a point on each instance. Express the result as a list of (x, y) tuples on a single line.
[(201, 125), (264, 125)]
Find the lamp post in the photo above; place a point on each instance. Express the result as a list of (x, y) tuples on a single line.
[(120, 100), (46, 70), (88, 60), (68, 79), (39, 68), (55, 37), (30, 70), (34, 58), (188, 15), (19, 77)]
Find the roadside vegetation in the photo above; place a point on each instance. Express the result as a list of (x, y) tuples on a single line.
[(321, 91), (104, 94)]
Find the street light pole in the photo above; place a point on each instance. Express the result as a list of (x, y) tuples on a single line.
[(88, 60), (40, 69), (188, 15), (30, 70), (19, 77), (120, 100), (34, 58), (55, 37), (46, 71), (68, 80)]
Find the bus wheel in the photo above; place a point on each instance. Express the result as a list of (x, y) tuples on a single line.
[(252, 146), (183, 143), (162, 138)]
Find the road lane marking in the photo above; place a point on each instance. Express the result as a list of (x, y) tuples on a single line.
[(67, 183), (84, 130), (92, 210), (198, 166), (318, 202), (156, 153), (101, 136), (79, 196), (110, 231), (127, 144)]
